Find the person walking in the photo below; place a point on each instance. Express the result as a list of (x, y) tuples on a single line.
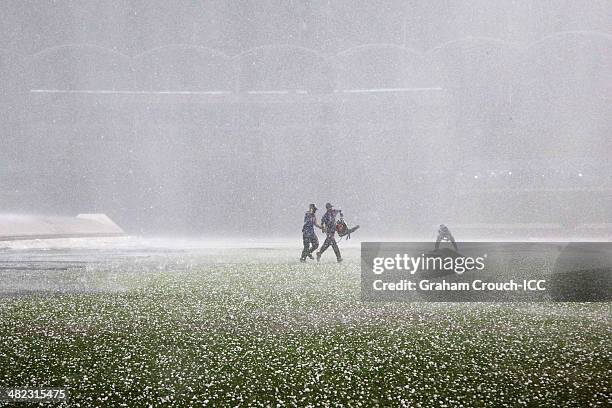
[(309, 237), (328, 222)]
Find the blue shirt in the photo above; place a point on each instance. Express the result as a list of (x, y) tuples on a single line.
[(329, 220), (309, 222)]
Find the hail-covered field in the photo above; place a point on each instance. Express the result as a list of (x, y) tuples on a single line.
[(121, 323)]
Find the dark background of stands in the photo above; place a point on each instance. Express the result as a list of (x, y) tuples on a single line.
[(227, 118)]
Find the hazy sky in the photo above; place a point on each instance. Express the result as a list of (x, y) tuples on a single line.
[(225, 118)]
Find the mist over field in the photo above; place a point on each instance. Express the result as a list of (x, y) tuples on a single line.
[(157, 159), (225, 119)]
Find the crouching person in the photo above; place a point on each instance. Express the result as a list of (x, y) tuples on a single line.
[(444, 234)]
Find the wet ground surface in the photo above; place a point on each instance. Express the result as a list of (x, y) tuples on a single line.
[(185, 324)]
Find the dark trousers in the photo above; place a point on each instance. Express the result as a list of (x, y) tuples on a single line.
[(449, 237), (331, 240), (310, 244)]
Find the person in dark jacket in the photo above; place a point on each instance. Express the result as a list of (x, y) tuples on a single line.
[(309, 238), (445, 234), (328, 222)]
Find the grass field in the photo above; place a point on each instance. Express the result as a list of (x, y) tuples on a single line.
[(255, 327)]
